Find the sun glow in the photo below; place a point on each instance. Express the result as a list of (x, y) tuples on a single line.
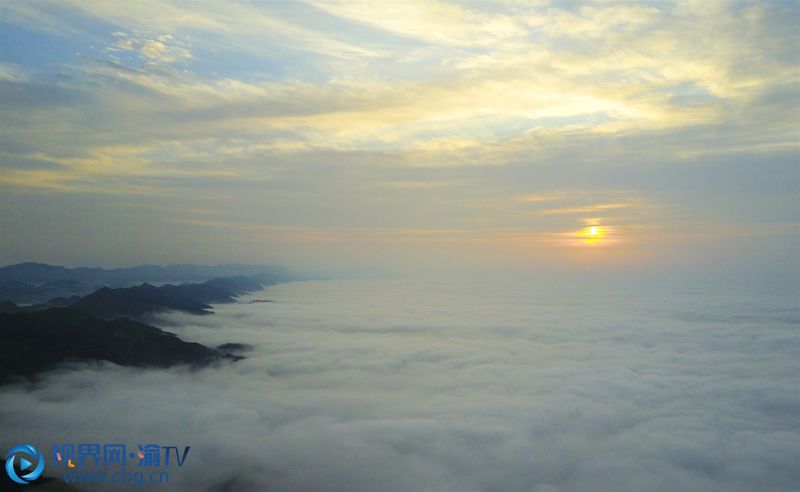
[(592, 234)]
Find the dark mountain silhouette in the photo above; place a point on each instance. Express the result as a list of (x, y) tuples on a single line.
[(63, 284), (241, 284), (139, 301), (33, 272), (17, 291), (146, 299), (205, 292), (9, 307), (33, 342), (63, 301), (143, 300), (99, 326), (26, 293), (35, 283), (37, 273), (235, 348)]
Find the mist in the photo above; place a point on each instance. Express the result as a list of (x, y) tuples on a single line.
[(358, 385)]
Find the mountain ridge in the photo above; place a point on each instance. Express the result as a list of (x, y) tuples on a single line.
[(36, 272), (38, 283), (35, 342), (145, 299)]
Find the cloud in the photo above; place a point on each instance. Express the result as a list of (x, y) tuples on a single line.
[(239, 27), (12, 73), (527, 84), (601, 207), (434, 22), (303, 112), (164, 49), (457, 386)]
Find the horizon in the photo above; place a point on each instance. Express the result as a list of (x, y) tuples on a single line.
[(720, 280)]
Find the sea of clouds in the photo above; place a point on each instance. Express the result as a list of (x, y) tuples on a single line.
[(399, 385)]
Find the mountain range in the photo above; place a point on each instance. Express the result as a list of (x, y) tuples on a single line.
[(32, 283), (106, 324), (32, 272), (38, 341)]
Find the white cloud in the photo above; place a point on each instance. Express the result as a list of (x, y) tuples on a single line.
[(458, 386), (432, 21), (163, 49)]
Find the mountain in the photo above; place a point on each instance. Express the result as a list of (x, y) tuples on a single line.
[(34, 342), (26, 293), (206, 292), (32, 272), (235, 348), (9, 307), (242, 284), (145, 299), (62, 301), (35, 283), (139, 301), (39, 273)]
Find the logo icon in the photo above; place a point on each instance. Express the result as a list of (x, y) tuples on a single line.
[(25, 453)]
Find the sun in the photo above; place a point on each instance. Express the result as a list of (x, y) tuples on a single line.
[(592, 234)]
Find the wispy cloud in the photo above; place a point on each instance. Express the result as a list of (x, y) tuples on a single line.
[(337, 100), (600, 207), (164, 49)]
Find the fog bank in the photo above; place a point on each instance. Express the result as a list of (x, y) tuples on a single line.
[(407, 385)]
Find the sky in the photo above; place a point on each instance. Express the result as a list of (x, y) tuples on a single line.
[(509, 135)]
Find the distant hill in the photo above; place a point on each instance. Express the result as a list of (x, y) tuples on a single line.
[(11, 307), (146, 299), (206, 292), (242, 284), (37, 273), (36, 283), (138, 301), (33, 342), (143, 300)]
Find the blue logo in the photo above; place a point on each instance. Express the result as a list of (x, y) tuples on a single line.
[(24, 463)]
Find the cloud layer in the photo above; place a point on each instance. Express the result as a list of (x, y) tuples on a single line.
[(399, 385)]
